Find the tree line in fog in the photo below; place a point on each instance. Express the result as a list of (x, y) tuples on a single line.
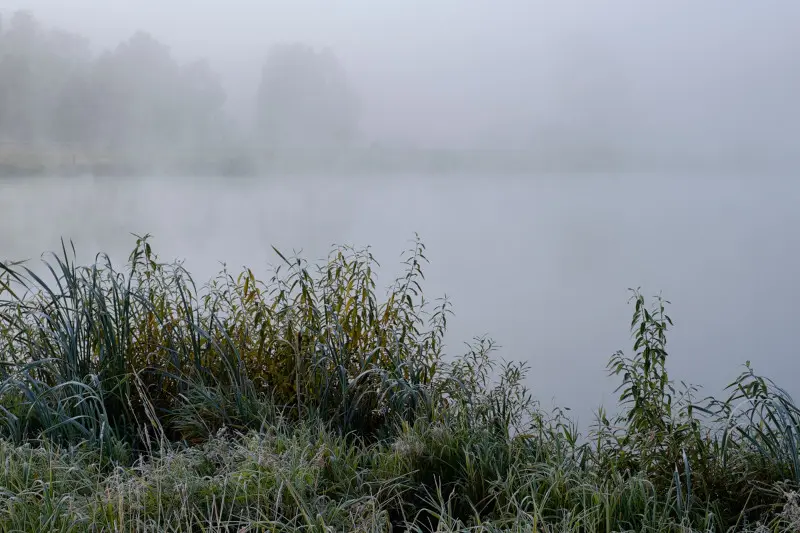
[(135, 108), (136, 101)]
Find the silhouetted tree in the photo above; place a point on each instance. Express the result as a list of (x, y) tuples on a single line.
[(135, 98), (305, 100)]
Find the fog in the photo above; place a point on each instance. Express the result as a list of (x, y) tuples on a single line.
[(551, 155), (658, 83)]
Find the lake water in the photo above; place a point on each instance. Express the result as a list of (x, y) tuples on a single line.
[(542, 263)]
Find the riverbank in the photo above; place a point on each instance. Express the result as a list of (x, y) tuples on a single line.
[(135, 399), (371, 161)]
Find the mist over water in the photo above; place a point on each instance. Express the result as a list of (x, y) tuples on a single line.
[(541, 264), (620, 84)]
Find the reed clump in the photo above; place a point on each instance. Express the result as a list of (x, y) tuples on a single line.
[(138, 400)]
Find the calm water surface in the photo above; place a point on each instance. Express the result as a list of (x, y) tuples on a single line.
[(542, 264)]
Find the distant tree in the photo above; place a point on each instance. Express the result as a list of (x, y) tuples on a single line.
[(18, 70), (202, 99), (36, 66), (68, 110), (305, 99), (144, 100), (133, 89), (134, 99), (73, 120)]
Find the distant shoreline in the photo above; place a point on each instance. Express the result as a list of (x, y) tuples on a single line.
[(365, 162)]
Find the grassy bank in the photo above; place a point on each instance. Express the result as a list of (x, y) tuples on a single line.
[(135, 399)]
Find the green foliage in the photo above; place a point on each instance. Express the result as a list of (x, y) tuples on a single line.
[(96, 353), (136, 400), (657, 423)]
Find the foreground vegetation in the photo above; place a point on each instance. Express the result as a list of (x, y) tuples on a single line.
[(135, 400)]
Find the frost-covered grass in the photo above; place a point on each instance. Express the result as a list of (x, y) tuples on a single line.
[(136, 400)]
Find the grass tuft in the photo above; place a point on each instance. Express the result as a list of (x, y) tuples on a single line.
[(135, 399)]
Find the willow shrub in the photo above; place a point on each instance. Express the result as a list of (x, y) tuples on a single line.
[(96, 353)]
